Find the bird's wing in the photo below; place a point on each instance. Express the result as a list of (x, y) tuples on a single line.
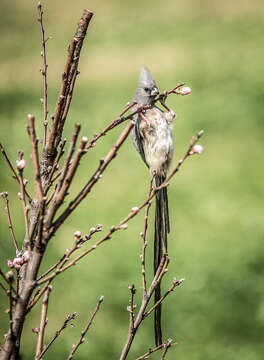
[(137, 139)]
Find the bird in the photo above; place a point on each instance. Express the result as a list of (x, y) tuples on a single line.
[(152, 137)]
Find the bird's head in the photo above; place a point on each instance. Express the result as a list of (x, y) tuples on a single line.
[(147, 89)]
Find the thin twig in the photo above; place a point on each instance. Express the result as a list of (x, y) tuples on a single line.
[(5, 197), (66, 175), (8, 282), (37, 296), (83, 333), (4, 289), (131, 308), (35, 158), (110, 126), (43, 323), (60, 264), (140, 316), (144, 243), (25, 208), (77, 128), (57, 334), (146, 355), (15, 176), (77, 245), (175, 283), (44, 73), (10, 308), (166, 347)]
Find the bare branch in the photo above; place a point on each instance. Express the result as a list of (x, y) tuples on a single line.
[(65, 94), (57, 334), (87, 327), (140, 316), (43, 323), (5, 197), (131, 308), (77, 128), (44, 73), (15, 176), (8, 282), (25, 208), (110, 126), (70, 172), (161, 346), (144, 243), (35, 158), (166, 347), (175, 283)]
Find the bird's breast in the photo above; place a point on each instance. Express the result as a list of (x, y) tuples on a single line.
[(156, 133)]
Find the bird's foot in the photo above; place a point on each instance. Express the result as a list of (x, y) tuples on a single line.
[(144, 118)]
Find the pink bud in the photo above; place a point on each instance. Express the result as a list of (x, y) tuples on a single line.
[(9, 276), (10, 263), (196, 149), (134, 209), (18, 261), (21, 164), (77, 234), (184, 91)]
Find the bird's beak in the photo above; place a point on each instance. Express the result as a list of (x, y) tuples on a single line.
[(154, 91)]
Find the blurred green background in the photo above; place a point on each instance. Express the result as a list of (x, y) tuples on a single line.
[(216, 201)]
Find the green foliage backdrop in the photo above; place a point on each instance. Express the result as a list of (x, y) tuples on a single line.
[(216, 202)]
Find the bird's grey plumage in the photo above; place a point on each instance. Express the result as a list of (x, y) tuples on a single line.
[(152, 137)]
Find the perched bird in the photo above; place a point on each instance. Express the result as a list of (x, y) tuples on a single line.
[(152, 137)]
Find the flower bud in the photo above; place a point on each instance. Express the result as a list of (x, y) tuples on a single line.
[(77, 234), (184, 91), (9, 276), (20, 164), (10, 263), (18, 261), (196, 149)]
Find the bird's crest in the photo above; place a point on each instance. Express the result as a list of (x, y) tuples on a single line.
[(145, 78)]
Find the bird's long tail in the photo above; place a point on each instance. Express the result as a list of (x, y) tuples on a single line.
[(162, 228)]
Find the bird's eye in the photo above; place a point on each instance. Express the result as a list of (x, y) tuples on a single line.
[(146, 89)]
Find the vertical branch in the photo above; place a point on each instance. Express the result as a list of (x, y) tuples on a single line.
[(144, 243), (20, 166), (10, 307), (131, 308), (65, 94), (44, 73), (43, 322), (5, 197), (34, 154)]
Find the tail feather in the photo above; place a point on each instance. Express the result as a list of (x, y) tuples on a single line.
[(162, 228)]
